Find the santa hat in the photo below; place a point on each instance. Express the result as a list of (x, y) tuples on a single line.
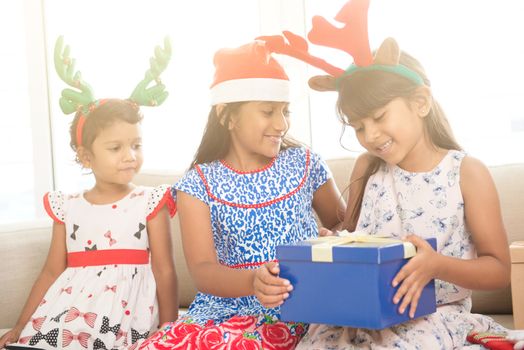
[(248, 73)]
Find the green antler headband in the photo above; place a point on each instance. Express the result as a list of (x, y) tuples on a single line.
[(155, 95), (83, 101)]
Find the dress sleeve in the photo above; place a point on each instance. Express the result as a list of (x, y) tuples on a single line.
[(159, 197), (192, 184), (320, 172), (54, 206)]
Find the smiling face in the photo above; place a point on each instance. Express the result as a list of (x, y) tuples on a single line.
[(257, 130), (394, 133), (115, 155)]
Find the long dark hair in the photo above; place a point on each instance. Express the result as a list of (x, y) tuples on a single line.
[(362, 93), (216, 139)]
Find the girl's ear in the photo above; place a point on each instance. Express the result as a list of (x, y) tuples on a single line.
[(84, 156), (219, 109), (422, 101), (323, 83)]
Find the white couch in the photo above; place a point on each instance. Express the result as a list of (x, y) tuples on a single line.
[(23, 250)]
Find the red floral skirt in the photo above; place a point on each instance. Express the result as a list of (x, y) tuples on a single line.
[(239, 332)]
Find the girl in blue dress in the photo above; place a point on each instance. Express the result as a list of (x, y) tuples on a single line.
[(249, 189)]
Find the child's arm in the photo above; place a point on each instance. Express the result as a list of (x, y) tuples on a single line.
[(329, 205), (209, 275), (484, 221), (55, 264), (491, 268), (162, 265)]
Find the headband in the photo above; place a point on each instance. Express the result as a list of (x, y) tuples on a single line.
[(352, 38), (82, 99)]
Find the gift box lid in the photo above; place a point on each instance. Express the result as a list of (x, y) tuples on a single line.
[(349, 248)]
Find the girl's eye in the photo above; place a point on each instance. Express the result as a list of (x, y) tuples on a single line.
[(137, 146), (380, 116), (114, 149), (287, 113), (268, 112), (357, 128)]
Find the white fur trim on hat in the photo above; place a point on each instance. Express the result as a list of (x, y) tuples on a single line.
[(252, 89)]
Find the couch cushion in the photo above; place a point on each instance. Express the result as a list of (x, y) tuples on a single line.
[(23, 252)]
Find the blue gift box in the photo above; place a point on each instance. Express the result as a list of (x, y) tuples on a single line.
[(346, 281)]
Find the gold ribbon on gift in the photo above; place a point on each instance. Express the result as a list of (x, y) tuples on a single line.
[(322, 247)]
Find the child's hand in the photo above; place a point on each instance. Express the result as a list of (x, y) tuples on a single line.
[(415, 275), (270, 289), (325, 232), (10, 337)]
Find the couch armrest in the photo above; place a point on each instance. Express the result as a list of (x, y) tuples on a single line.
[(517, 282)]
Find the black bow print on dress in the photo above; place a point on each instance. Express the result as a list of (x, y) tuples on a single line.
[(141, 227), (57, 317), (106, 328), (135, 335), (51, 338), (73, 235), (99, 344)]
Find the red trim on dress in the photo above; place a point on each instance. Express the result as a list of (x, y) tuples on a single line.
[(258, 205), (107, 257), (47, 207), (167, 199), (251, 264), (265, 167)]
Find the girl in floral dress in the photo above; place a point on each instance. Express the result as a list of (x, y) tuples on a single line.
[(249, 189), (414, 182), (109, 277)]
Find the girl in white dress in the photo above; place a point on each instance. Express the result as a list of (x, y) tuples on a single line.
[(414, 182), (109, 278)]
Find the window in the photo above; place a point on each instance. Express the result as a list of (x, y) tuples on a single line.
[(472, 53), (470, 50), (25, 158)]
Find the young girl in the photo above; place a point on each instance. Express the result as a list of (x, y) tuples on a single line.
[(249, 189), (414, 182), (98, 288)]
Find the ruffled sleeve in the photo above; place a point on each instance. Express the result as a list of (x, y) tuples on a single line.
[(320, 172), (192, 184), (54, 206), (159, 197)]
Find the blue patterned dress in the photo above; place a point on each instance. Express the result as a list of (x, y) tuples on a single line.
[(251, 213), (396, 203)]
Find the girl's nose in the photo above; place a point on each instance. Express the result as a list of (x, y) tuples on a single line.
[(130, 155), (371, 133), (281, 122)]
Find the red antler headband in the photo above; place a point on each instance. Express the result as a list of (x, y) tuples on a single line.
[(84, 102), (351, 38)]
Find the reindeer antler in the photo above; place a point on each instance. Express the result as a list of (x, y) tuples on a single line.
[(155, 95), (71, 100), (296, 46), (352, 37)]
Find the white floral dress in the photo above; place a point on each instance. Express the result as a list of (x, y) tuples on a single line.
[(430, 204), (106, 297)]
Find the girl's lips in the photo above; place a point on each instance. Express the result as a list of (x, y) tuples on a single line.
[(384, 146), (275, 139)]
